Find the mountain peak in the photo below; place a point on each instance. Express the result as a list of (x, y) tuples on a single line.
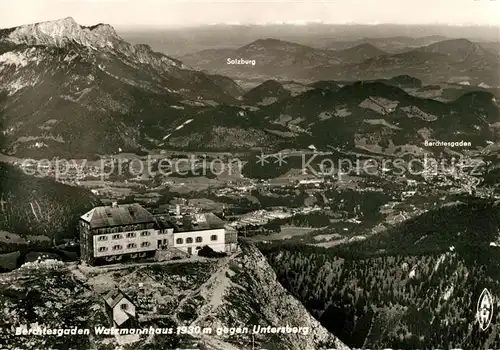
[(104, 30), (270, 43), (453, 46), (271, 83), (366, 46), (66, 22), (68, 19), (268, 92), (458, 41), (364, 50), (61, 32)]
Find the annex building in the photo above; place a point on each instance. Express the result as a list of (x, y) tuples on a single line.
[(129, 231)]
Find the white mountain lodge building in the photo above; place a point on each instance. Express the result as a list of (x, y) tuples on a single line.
[(110, 233)]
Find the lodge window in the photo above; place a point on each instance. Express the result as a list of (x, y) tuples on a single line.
[(117, 247), (124, 306), (145, 233), (130, 234), (199, 239), (131, 245), (189, 240), (103, 249), (145, 244), (117, 236), (102, 238), (179, 241), (213, 237)]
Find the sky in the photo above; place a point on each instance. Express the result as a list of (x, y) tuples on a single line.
[(179, 13)]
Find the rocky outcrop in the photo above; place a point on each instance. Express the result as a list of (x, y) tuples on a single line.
[(64, 32), (245, 289), (221, 297)]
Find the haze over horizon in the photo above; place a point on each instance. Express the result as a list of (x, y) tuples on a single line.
[(136, 14)]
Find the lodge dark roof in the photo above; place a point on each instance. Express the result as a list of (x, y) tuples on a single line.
[(198, 222), (114, 296), (117, 215)]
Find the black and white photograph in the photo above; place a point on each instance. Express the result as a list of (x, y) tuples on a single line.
[(249, 175)]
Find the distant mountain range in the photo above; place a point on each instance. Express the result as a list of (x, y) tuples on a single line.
[(449, 61), (393, 36), (394, 44), (277, 58), (68, 90), (75, 91), (398, 44), (429, 59), (376, 116)]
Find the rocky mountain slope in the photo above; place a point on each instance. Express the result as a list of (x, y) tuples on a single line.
[(238, 291), (63, 80)]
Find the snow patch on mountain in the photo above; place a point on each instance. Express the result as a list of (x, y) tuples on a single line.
[(382, 122), (439, 262), (379, 104), (20, 83), (447, 294), (415, 112), (14, 58)]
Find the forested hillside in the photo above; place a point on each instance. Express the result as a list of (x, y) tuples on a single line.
[(32, 205), (414, 286), (408, 301)]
